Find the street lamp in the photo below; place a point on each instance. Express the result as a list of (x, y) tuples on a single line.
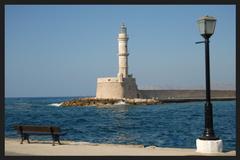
[(206, 26)]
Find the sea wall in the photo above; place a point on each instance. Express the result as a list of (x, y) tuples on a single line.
[(92, 101), (130, 88), (181, 94)]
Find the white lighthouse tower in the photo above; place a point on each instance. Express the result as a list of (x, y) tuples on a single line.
[(124, 85), (123, 52)]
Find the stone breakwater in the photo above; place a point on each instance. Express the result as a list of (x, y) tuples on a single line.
[(103, 102), (92, 101)]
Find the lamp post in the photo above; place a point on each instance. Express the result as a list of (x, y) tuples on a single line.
[(206, 26), (208, 142)]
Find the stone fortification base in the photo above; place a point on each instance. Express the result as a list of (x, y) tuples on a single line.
[(209, 146)]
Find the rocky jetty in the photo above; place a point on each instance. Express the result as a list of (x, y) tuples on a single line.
[(91, 101)]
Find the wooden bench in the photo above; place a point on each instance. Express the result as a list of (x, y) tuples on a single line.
[(26, 130)]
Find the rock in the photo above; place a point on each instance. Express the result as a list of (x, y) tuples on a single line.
[(92, 101)]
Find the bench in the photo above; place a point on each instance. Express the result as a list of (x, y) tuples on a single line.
[(26, 130)]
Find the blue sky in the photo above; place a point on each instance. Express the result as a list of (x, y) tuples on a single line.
[(60, 50)]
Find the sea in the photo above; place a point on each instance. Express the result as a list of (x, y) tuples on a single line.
[(176, 125)]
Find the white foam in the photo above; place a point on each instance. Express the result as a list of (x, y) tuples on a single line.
[(120, 103), (56, 104)]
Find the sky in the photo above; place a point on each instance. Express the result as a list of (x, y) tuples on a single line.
[(61, 50)]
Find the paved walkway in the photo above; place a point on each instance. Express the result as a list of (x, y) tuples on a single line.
[(14, 148)]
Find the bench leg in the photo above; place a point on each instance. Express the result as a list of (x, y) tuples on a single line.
[(24, 137), (28, 140), (56, 138), (59, 142)]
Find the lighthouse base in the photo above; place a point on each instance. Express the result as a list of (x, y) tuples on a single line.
[(116, 88)]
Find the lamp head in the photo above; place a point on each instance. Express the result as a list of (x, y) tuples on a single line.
[(206, 25)]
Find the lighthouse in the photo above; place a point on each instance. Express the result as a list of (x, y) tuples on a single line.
[(123, 52), (123, 85)]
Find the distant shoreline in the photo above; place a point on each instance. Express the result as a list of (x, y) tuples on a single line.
[(161, 94)]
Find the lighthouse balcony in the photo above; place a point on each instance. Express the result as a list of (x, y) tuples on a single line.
[(123, 54), (122, 36)]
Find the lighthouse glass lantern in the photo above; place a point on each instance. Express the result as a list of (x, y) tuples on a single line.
[(123, 29), (206, 26)]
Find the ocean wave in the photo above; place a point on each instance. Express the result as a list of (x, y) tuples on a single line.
[(56, 104)]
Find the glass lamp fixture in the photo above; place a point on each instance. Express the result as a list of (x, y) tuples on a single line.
[(206, 25)]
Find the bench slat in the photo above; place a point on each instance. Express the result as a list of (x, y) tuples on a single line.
[(44, 133)]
